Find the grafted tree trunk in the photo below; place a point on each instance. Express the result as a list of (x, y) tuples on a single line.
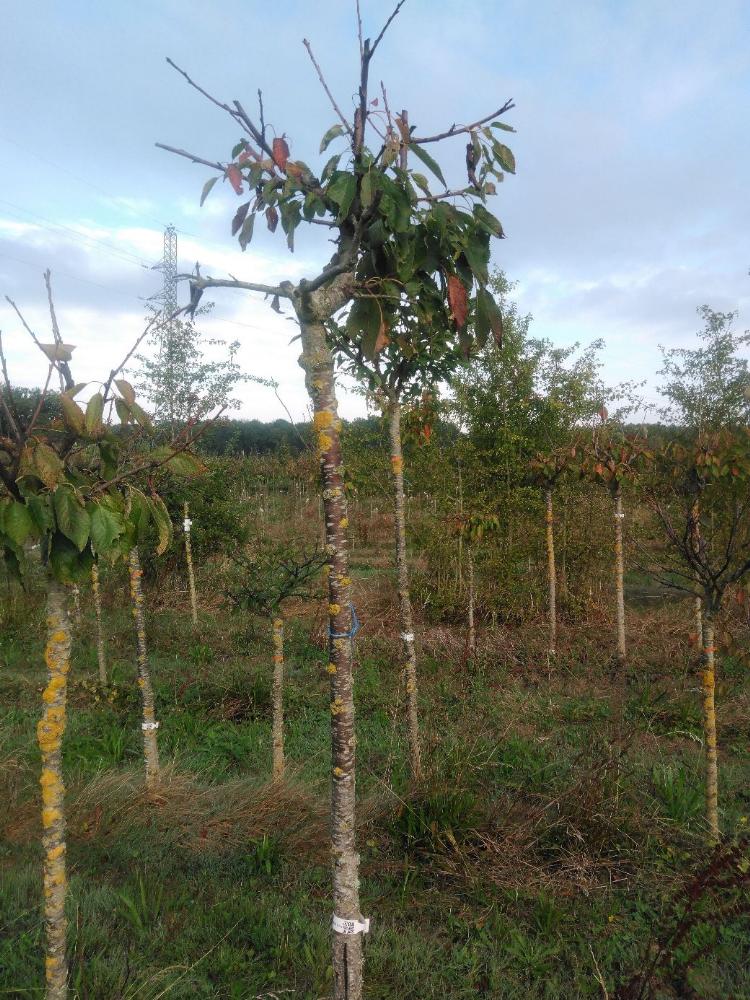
[(709, 727), (317, 362), (187, 524), (149, 724), (96, 590), (548, 517), (406, 620), (278, 697), (471, 636), (50, 731), (620, 678)]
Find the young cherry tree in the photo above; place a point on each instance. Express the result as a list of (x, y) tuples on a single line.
[(60, 480), (396, 238), (698, 493), (613, 459), (270, 574)]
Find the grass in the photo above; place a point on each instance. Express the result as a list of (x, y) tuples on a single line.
[(531, 858)]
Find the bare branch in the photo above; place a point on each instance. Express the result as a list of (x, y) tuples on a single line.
[(386, 26), (214, 164), (213, 100), (66, 379), (9, 407), (40, 404), (458, 193), (459, 130), (359, 30), (331, 98)]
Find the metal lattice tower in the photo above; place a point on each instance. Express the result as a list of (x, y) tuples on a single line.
[(169, 270)]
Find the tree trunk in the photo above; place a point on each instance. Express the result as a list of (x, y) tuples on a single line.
[(96, 589), (348, 925), (75, 593), (187, 524), (50, 732), (620, 678), (149, 724), (471, 638), (406, 622), (278, 697), (551, 570), (709, 728)]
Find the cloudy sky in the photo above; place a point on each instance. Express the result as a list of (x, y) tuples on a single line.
[(630, 206)]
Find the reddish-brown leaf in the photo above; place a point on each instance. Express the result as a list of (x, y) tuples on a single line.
[(239, 217), (458, 300), (603, 413), (272, 218), (235, 178), (280, 152), (382, 340), (293, 169)]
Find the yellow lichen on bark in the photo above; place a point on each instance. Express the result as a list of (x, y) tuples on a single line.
[(708, 686), (50, 731)]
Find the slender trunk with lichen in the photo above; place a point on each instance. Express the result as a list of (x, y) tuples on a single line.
[(97, 593), (698, 607), (406, 621), (708, 684), (317, 362), (695, 536), (471, 637), (548, 517), (620, 678), (278, 697), (187, 524), (75, 594), (149, 724), (50, 731)]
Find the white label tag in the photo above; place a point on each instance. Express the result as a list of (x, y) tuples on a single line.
[(149, 725), (407, 636), (342, 926), (187, 524)]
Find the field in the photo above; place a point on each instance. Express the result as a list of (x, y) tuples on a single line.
[(534, 861)]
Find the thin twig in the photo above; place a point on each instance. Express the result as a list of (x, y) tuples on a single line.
[(191, 156), (66, 379), (454, 130), (387, 24), (9, 407), (284, 290), (359, 30), (213, 100), (331, 98)]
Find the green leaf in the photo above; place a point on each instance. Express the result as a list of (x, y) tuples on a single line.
[(505, 157), (207, 188), (331, 134), (163, 524), (363, 324), (123, 410), (40, 508), (140, 415), (72, 519), (106, 526), (68, 564), (421, 180), (185, 464), (428, 161), (72, 413), (47, 464), (488, 221), (489, 317), (246, 233), (94, 413), (126, 390), (18, 524), (503, 126), (341, 191), (369, 187)]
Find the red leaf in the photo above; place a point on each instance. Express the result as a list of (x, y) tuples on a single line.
[(280, 152), (235, 178), (239, 218), (272, 218), (458, 300), (603, 413)]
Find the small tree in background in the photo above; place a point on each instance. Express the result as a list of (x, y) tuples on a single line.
[(268, 574), (699, 496)]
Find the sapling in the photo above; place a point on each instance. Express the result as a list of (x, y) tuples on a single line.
[(97, 595), (187, 525), (60, 479), (267, 575), (393, 237)]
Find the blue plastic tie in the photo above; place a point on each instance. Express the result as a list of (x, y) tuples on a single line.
[(356, 626)]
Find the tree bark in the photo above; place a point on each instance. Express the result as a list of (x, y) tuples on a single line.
[(278, 697), (317, 362), (620, 679), (548, 517), (101, 656), (471, 637), (406, 621), (191, 575), (709, 728), (149, 724), (50, 731)]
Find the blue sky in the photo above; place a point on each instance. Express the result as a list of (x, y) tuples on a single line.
[(629, 209)]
